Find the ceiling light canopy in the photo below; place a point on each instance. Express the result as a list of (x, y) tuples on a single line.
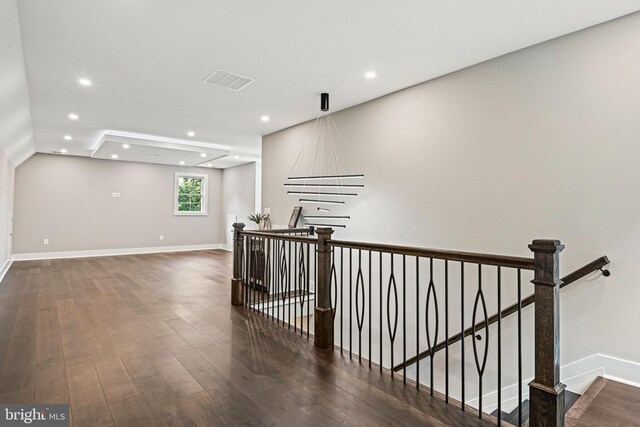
[(114, 156), (370, 74), (181, 162), (73, 116), (84, 82), (126, 146), (191, 134), (68, 138), (265, 118)]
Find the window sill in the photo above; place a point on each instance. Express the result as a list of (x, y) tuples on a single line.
[(189, 214)]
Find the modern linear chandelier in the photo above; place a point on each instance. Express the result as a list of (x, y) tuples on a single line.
[(323, 177)]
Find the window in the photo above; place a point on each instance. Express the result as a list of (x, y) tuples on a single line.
[(190, 194)]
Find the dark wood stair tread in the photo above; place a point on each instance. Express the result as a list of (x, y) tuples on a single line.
[(606, 402), (570, 398)]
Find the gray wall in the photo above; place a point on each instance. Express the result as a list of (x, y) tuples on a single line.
[(68, 201), (239, 191), (6, 206), (540, 143)]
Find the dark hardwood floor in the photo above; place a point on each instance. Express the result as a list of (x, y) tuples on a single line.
[(153, 340)]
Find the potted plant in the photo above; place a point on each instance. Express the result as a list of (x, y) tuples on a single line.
[(261, 219)]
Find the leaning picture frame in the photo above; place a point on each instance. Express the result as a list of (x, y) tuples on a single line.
[(295, 216)]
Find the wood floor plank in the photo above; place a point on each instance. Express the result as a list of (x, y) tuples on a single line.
[(131, 412), (176, 376), (88, 403), (162, 403), (204, 410)]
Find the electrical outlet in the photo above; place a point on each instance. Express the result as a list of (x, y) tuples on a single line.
[(162, 237), (45, 242), (118, 195), (114, 195)]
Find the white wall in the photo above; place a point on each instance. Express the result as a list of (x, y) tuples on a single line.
[(6, 208), (540, 143), (239, 191), (68, 201), (16, 131)]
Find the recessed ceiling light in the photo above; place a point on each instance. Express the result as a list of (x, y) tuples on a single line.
[(265, 118), (370, 74), (68, 138), (114, 156), (63, 151), (203, 155), (73, 116), (191, 134), (126, 146), (210, 165), (84, 82), (182, 162), (237, 157)]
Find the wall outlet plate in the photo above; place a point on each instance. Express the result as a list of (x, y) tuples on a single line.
[(45, 242)]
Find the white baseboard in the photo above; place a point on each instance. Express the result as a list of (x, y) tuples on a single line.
[(114, 252), (5, 268), (228, 248), (577, 376)]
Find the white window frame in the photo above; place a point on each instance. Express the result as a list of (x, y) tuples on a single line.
[(205, 194)]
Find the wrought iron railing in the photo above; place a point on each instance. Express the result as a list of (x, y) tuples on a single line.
[(389, 305)]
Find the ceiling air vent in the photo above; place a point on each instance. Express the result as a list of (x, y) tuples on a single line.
[(228, 80)]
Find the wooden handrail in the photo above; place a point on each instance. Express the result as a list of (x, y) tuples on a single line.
[(309, 231), (275, 236), (566, 280), (470, 257)]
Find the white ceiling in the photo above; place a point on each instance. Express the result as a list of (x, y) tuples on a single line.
[(147, 59)]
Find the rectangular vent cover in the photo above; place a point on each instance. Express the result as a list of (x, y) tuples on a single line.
[(228, 80)]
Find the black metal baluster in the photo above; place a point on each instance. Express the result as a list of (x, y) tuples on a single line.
[(289, 288), (404, 318), (392, 331), (245, 279), (446, 331), (255, 274), (283, 279), (380, 312), (278, 295), (265, 282), (462, 331), (519, 348), (360, 312), (334, 286), (431, 344), (417, 323), (370, 321), (480, 366), (341, 295), (272, 287), (499, 345), (350, 299), (296, 287), (249, 266), (308, 286)]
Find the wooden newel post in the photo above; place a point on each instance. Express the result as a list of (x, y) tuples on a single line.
[(323, 316), (546, 392), (237, 289)]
